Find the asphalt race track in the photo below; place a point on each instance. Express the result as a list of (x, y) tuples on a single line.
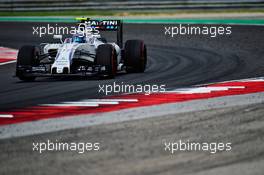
[(135, 147), (175, 62)]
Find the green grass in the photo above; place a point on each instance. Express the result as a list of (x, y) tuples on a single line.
[(124, 13)]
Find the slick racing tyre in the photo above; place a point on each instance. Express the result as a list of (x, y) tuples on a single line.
[(27, 57), (135, 56), (106, 56)]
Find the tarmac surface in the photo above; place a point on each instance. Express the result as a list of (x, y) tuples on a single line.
[(180, 61), (136, 147)]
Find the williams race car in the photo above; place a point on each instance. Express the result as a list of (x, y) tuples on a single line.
[(86, 53)]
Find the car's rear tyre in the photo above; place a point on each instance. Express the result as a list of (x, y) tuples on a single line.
[(135, 56), (106, 56), (27, 57)]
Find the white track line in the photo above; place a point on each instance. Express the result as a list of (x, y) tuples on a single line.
[(92, 102), (72, 105), (110, 100), (9, 62), (6, 116), (204, 89)]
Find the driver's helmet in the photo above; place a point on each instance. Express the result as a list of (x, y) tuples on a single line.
[(78, 39)]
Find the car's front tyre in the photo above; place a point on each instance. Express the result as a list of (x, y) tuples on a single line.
[(27, 57), (106, 56)]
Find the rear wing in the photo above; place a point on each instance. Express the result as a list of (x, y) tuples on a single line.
[(106, 25)]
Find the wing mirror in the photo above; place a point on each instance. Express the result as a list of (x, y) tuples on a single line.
[(58, 37)]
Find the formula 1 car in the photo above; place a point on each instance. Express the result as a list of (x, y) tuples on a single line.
[(86, 53)]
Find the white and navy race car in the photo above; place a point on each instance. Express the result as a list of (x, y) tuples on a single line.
[(83, 54)]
